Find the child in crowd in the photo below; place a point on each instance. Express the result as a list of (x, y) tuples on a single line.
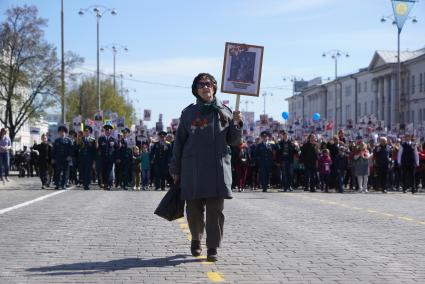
[(146, 166), (137, 163), (325, 163)]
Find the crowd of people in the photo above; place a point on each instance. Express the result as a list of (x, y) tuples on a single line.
[(268, 161)]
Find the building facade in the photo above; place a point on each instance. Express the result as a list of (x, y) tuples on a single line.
[(372, 90)]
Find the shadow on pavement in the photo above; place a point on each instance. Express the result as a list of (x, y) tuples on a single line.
[(112, 265)]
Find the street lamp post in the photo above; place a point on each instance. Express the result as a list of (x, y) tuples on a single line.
[(401, 14), (115, 48), (62, 68), (98, 11), (122, 75), (335, 54), (265, 94), (293, 79)]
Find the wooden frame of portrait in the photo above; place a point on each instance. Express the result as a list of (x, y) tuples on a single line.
[(242, 69)]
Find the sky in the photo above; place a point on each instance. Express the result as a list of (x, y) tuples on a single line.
[(169, 42)]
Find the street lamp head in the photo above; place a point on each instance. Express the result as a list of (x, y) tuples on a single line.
[(347, 55), (383, 20), (81, 12), (394, 23), (125, 49), (114, 12), (324, 54), (102, 49), (414, 20), (96, 10)]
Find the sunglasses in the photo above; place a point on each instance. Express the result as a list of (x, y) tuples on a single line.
[(200, 85)]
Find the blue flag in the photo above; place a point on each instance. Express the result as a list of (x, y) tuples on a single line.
[(402, 9)]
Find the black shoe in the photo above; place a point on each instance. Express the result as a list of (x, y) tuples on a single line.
[(384, 191), (195, 248), (212, 255), (264, 190), (86, 188)]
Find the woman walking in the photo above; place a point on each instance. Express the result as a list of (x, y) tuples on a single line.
[(201, 162)]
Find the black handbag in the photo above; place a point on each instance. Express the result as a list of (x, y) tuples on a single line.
[(171, 206)]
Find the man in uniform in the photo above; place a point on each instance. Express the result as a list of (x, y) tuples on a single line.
[(160, 158), (61, 157), (286, 157), (125, 156), (107, 148), (44, 160), (86, 156), (264, 159)]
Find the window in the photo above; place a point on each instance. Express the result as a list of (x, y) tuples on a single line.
[(348, 91), (420, 82), (365, 86), (365, 108), (347, 112), (420, 115), (413, 116), (359, 109), (359, 87), (371, 107), (413, 84)]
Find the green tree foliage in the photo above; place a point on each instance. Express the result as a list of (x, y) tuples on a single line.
[(29, 68), (82, 99)]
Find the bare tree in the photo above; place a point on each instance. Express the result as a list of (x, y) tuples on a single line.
[(29, 68)]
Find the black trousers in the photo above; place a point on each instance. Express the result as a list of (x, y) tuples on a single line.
[(382, 177), (408, 176), (213, 223)]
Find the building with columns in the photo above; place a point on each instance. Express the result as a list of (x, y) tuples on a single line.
[(372, 90)]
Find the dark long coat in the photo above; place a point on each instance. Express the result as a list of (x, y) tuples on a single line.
[(201, 153)]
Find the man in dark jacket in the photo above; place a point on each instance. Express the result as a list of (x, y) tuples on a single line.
[(44, 159), (107, 153), (264, 160), (286, 158), (408, 159), (160, 158), (62, 157), (382, 158), (309, 158)]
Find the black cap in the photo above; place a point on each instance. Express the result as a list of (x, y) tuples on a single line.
[(108, 126), (265, 133), (63, 128), (88, 128), (125, 130), (162, 133)]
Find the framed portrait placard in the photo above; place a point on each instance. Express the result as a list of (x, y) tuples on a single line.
[(242, 69)]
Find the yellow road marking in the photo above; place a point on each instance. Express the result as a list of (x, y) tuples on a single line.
[(372, 211), (214, 276), (183, 226), (420, 222), (181, 220), (405, 218), (388, 215), (357, 208)]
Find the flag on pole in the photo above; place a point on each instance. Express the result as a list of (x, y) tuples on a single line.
[(402, 9)]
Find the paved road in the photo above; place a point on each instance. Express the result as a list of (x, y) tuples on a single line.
[(95, 236)]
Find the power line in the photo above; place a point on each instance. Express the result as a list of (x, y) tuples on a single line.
[(172, 85)]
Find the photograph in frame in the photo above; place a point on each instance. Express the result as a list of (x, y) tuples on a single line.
[(242, 69)]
